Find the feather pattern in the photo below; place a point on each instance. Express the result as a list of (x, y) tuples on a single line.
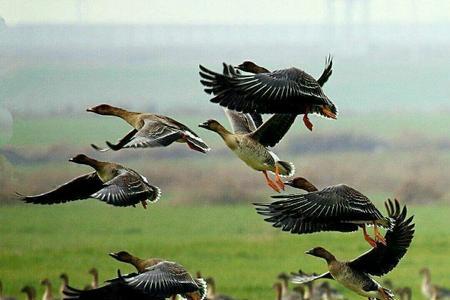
[(382, 259), (111, 183), (127, 188), (282, 91), (163, 280), (79, 188), (335, 208)]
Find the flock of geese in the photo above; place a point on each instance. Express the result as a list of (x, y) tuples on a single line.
[(245, 91)]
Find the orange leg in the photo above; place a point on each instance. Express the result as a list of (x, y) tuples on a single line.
[(271, 183), (378, 236), (193, 296), (370, 240), (383, 294), (327, 112), (307, 122), (144, 204), (278, 180)]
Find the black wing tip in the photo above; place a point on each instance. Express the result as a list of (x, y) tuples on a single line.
[(99, 148)]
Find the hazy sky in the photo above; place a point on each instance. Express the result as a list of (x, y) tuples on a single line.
[(222, 12)]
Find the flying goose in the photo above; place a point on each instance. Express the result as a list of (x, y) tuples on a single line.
[(149, 130), (334, 208), (288, 91), (155, 279), (251, 144), (355, 274), (112, 183)]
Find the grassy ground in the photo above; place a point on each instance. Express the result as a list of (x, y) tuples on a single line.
[(231, 243)]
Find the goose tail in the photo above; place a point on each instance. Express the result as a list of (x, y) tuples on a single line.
[(287, 169)]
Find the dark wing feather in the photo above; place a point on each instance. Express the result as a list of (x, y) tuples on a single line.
[(332, 209), (301, 278), (127, 188), (257, 119), (163, 280), (382, 259), (283, 91), (119, 145), (115, 289), (81, 187), (326, 72), (274, 129)]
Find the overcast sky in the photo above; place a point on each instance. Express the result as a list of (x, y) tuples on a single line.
[(222, 12)]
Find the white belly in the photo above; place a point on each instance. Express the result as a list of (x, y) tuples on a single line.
[(251, 158)]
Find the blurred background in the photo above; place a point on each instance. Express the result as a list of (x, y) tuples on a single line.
[(390, 82)]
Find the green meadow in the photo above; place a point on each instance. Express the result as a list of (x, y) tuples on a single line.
[(231, 243)]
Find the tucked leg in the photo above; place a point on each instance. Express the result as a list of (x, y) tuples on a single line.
[(371, 241), (378, 236), (278, 179), (383, 294), (271, 183), (144, 203), (307, 122)]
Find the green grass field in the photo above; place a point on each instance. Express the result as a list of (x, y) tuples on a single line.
[(231, 243)]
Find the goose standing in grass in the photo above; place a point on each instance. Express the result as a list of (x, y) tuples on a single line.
[(288, 91), (326, 292), (94, 282), (355, 274), (3, 297), (155, 279), (279, 295), (149, 130), (64, 283), (250, 144), (432, 291), (278, 290), (48, 292), (404, 293), (29, 291), (287, 294), (212, 292), (335, 208), (112, 183)]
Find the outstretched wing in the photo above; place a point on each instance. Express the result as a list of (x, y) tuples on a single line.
[(382, 259), (79, 188), (154, 133), (275, 92), (163, 280), (128, 188), (119, 145), (326, 72), (115, 289), (240, 122), (331, 209), (274, 129), (300, 277)]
